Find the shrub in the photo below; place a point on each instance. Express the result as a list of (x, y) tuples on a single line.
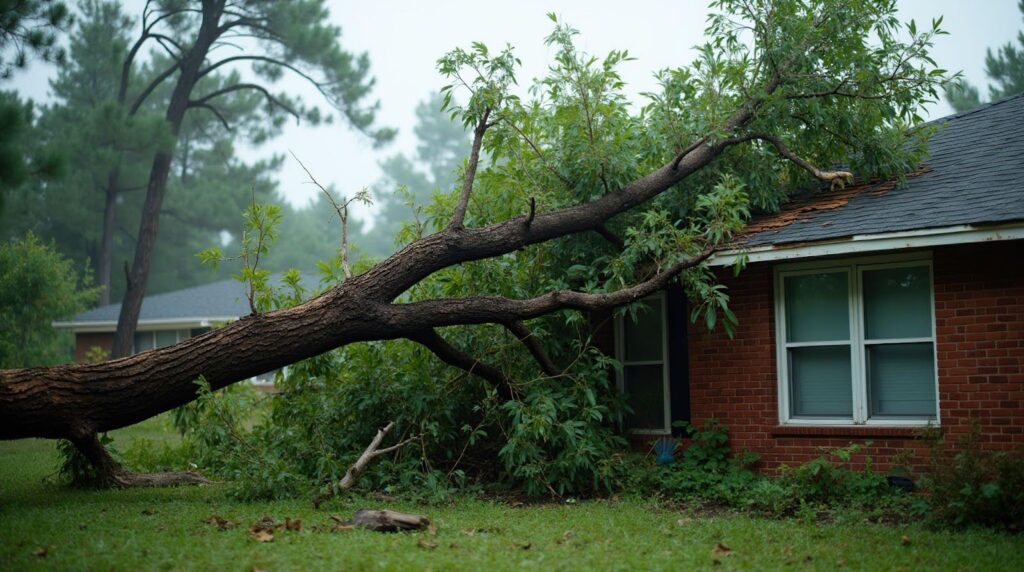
[(37, 286), (972, 486)]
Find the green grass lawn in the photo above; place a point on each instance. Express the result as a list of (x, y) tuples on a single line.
[(47, 526)]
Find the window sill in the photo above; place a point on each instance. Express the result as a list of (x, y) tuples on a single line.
[(905, 432)]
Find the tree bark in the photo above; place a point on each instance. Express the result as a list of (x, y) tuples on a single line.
[(106, 254), (149, 224)]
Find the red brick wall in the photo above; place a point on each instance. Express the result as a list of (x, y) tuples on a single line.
[(979, 297), (85, 342), (979, 320)]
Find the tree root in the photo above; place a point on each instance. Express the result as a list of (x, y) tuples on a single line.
[(112, 474)]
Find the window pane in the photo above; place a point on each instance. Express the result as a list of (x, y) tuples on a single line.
[(897, 303), (183, 335), (644, 386), (820, 381), (817, 307), (197, 331), (643, 337), (143, 341), (901, 379), (165, 338)]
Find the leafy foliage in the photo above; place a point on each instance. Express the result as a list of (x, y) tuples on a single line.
[(972, 486), (37, 286), (846, 80)]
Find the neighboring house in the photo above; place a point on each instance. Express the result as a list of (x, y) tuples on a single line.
[(865, 314), (165, 318)]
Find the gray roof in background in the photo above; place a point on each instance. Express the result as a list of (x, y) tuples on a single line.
[(223, 299), (975, 160)]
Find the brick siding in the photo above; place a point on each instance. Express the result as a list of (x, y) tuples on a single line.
[(979, 299)]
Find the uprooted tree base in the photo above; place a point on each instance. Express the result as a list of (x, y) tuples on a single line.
[(112, 474)]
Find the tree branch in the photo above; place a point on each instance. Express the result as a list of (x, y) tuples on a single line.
[(467, 181), (449, 354), (212, 110), (523, 333), (610, 236), (834, 178), (240, 86), (352, 474), (498, 309)]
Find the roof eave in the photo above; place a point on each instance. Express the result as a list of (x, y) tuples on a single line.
[(99, 326), (902, 240)]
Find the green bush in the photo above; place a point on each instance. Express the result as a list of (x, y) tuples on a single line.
[(37, 286), (972, 486), (709, 472), (707, 469)]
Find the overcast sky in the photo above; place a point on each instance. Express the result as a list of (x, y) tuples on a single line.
[(404, 38)]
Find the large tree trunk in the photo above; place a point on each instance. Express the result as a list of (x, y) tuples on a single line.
[(135, 290), (74, 401), (106, 254)]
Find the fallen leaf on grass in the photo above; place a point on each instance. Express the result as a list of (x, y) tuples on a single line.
[(905, 540), (518, 546), (148, 512), (42, 551), (721, 550), (340, 524), (566, 537), (220, 522), (294, 525), (840, 563), (424, 543), (684, 521), (432, 529), (261, 534)]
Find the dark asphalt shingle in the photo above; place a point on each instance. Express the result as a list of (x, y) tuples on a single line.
[(976, 160)]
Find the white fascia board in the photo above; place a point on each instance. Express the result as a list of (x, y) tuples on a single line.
[(145, 325), (924, 238)]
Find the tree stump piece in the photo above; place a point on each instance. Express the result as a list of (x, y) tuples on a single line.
[(389, 520)]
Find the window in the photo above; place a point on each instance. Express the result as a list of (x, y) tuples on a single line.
[(159, 338), (643, 352), (856, 342)]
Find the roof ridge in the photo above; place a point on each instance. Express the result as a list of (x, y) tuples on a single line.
[(982, 107)]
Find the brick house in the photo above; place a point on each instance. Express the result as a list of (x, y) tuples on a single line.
[(164, 319), (864, 314)]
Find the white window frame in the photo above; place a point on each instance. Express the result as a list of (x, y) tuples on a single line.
[(854, 268), (152, 337), (620, 355)]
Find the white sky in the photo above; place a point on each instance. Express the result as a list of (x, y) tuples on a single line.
[(404, 38)]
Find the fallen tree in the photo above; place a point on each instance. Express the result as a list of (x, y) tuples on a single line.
[(782, 86)]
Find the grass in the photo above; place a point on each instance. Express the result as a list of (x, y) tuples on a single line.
[(44, 525)]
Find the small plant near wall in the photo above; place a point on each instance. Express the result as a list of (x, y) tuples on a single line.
[(970, 486)]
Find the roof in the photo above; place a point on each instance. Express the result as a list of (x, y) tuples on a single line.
[(972, 176), (216, 301)]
